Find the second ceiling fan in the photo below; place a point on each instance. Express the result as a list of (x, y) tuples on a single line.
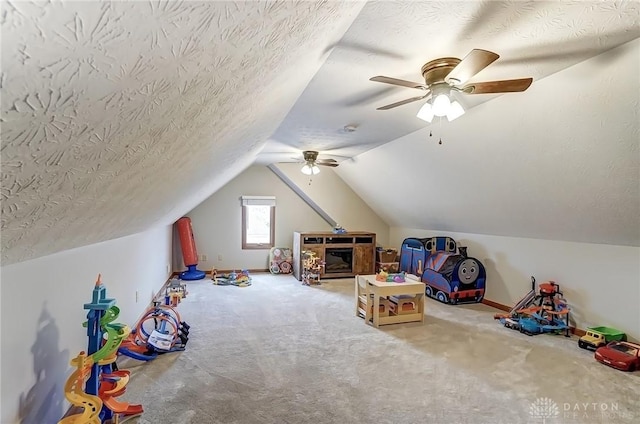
[(311, 162), (449, 74)]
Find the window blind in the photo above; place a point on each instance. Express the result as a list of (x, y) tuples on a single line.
[(258, 200)]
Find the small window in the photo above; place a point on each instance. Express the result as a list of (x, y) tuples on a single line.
[(258, 222)]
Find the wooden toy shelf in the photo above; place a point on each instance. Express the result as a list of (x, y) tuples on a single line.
[(344, 255)]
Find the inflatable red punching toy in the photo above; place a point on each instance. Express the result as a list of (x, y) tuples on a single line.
[(189, 252)]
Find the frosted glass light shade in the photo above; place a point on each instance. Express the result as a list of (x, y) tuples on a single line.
[(441, 105), (426, 112), (455, 111), (310, 170)]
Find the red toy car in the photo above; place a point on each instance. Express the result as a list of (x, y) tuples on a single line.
[(624, 356)]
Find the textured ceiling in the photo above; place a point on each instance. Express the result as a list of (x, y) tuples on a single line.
[(560, 162), (115, 113), (395, 38), (120, 116)]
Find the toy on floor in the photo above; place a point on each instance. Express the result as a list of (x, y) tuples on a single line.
[(162, 330), (238, 279), (312, 267), (414, 252), (600, 336), (141, 352), (541, 311), (452, 278), (189, 252), (175, 291), (624, 356), (280, 260), (449, 274), (103, 382)]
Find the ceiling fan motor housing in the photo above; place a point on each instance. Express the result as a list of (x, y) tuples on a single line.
[(310, 155), (435, 71)]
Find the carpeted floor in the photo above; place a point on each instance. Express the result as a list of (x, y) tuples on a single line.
[(281, 352)]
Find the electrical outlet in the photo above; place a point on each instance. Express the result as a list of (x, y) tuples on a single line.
[(204, 258), (137, 296), (220, 257)]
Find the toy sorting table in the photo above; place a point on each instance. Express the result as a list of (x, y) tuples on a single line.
[(387, 289)]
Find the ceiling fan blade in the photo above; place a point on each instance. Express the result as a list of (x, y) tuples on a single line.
[(402, 102), (396, 81), (473, 63), (332, 164), (327, 160), (504, 86)]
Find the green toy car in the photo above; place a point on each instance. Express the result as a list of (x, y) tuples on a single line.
[(600, 336)]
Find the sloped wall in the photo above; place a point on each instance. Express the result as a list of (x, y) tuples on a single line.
[(124, 109), (42, 314), (601, 282)]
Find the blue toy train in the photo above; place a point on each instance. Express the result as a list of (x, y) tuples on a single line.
[(449, 274)]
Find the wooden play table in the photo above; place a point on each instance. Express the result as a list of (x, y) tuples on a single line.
[(381, 289)]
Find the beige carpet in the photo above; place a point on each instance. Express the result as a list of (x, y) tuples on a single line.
[(281, 352)]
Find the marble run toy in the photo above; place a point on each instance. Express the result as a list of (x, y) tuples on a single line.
[(312, 268)]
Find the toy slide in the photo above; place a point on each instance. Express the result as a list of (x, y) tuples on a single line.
[(520, 306), (73, 391), (116, 333), (114, 385)]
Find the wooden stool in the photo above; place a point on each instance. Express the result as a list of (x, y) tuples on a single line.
[(385, 306), (403, 305)]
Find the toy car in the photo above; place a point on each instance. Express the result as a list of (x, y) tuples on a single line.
[(530, 326), (624, 356), (510, 323), (600, 336)]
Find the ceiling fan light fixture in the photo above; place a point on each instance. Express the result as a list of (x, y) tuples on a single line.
[(455, 111), (441, 105), (426, 112), (310, 169)]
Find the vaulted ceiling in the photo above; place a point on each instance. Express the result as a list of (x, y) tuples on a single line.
[(120, 116)]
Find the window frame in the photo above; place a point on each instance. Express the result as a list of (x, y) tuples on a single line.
[(259, 201)]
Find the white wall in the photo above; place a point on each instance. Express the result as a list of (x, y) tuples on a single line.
[(338, 200), (601, 282), (217, 225), (42, 314)]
